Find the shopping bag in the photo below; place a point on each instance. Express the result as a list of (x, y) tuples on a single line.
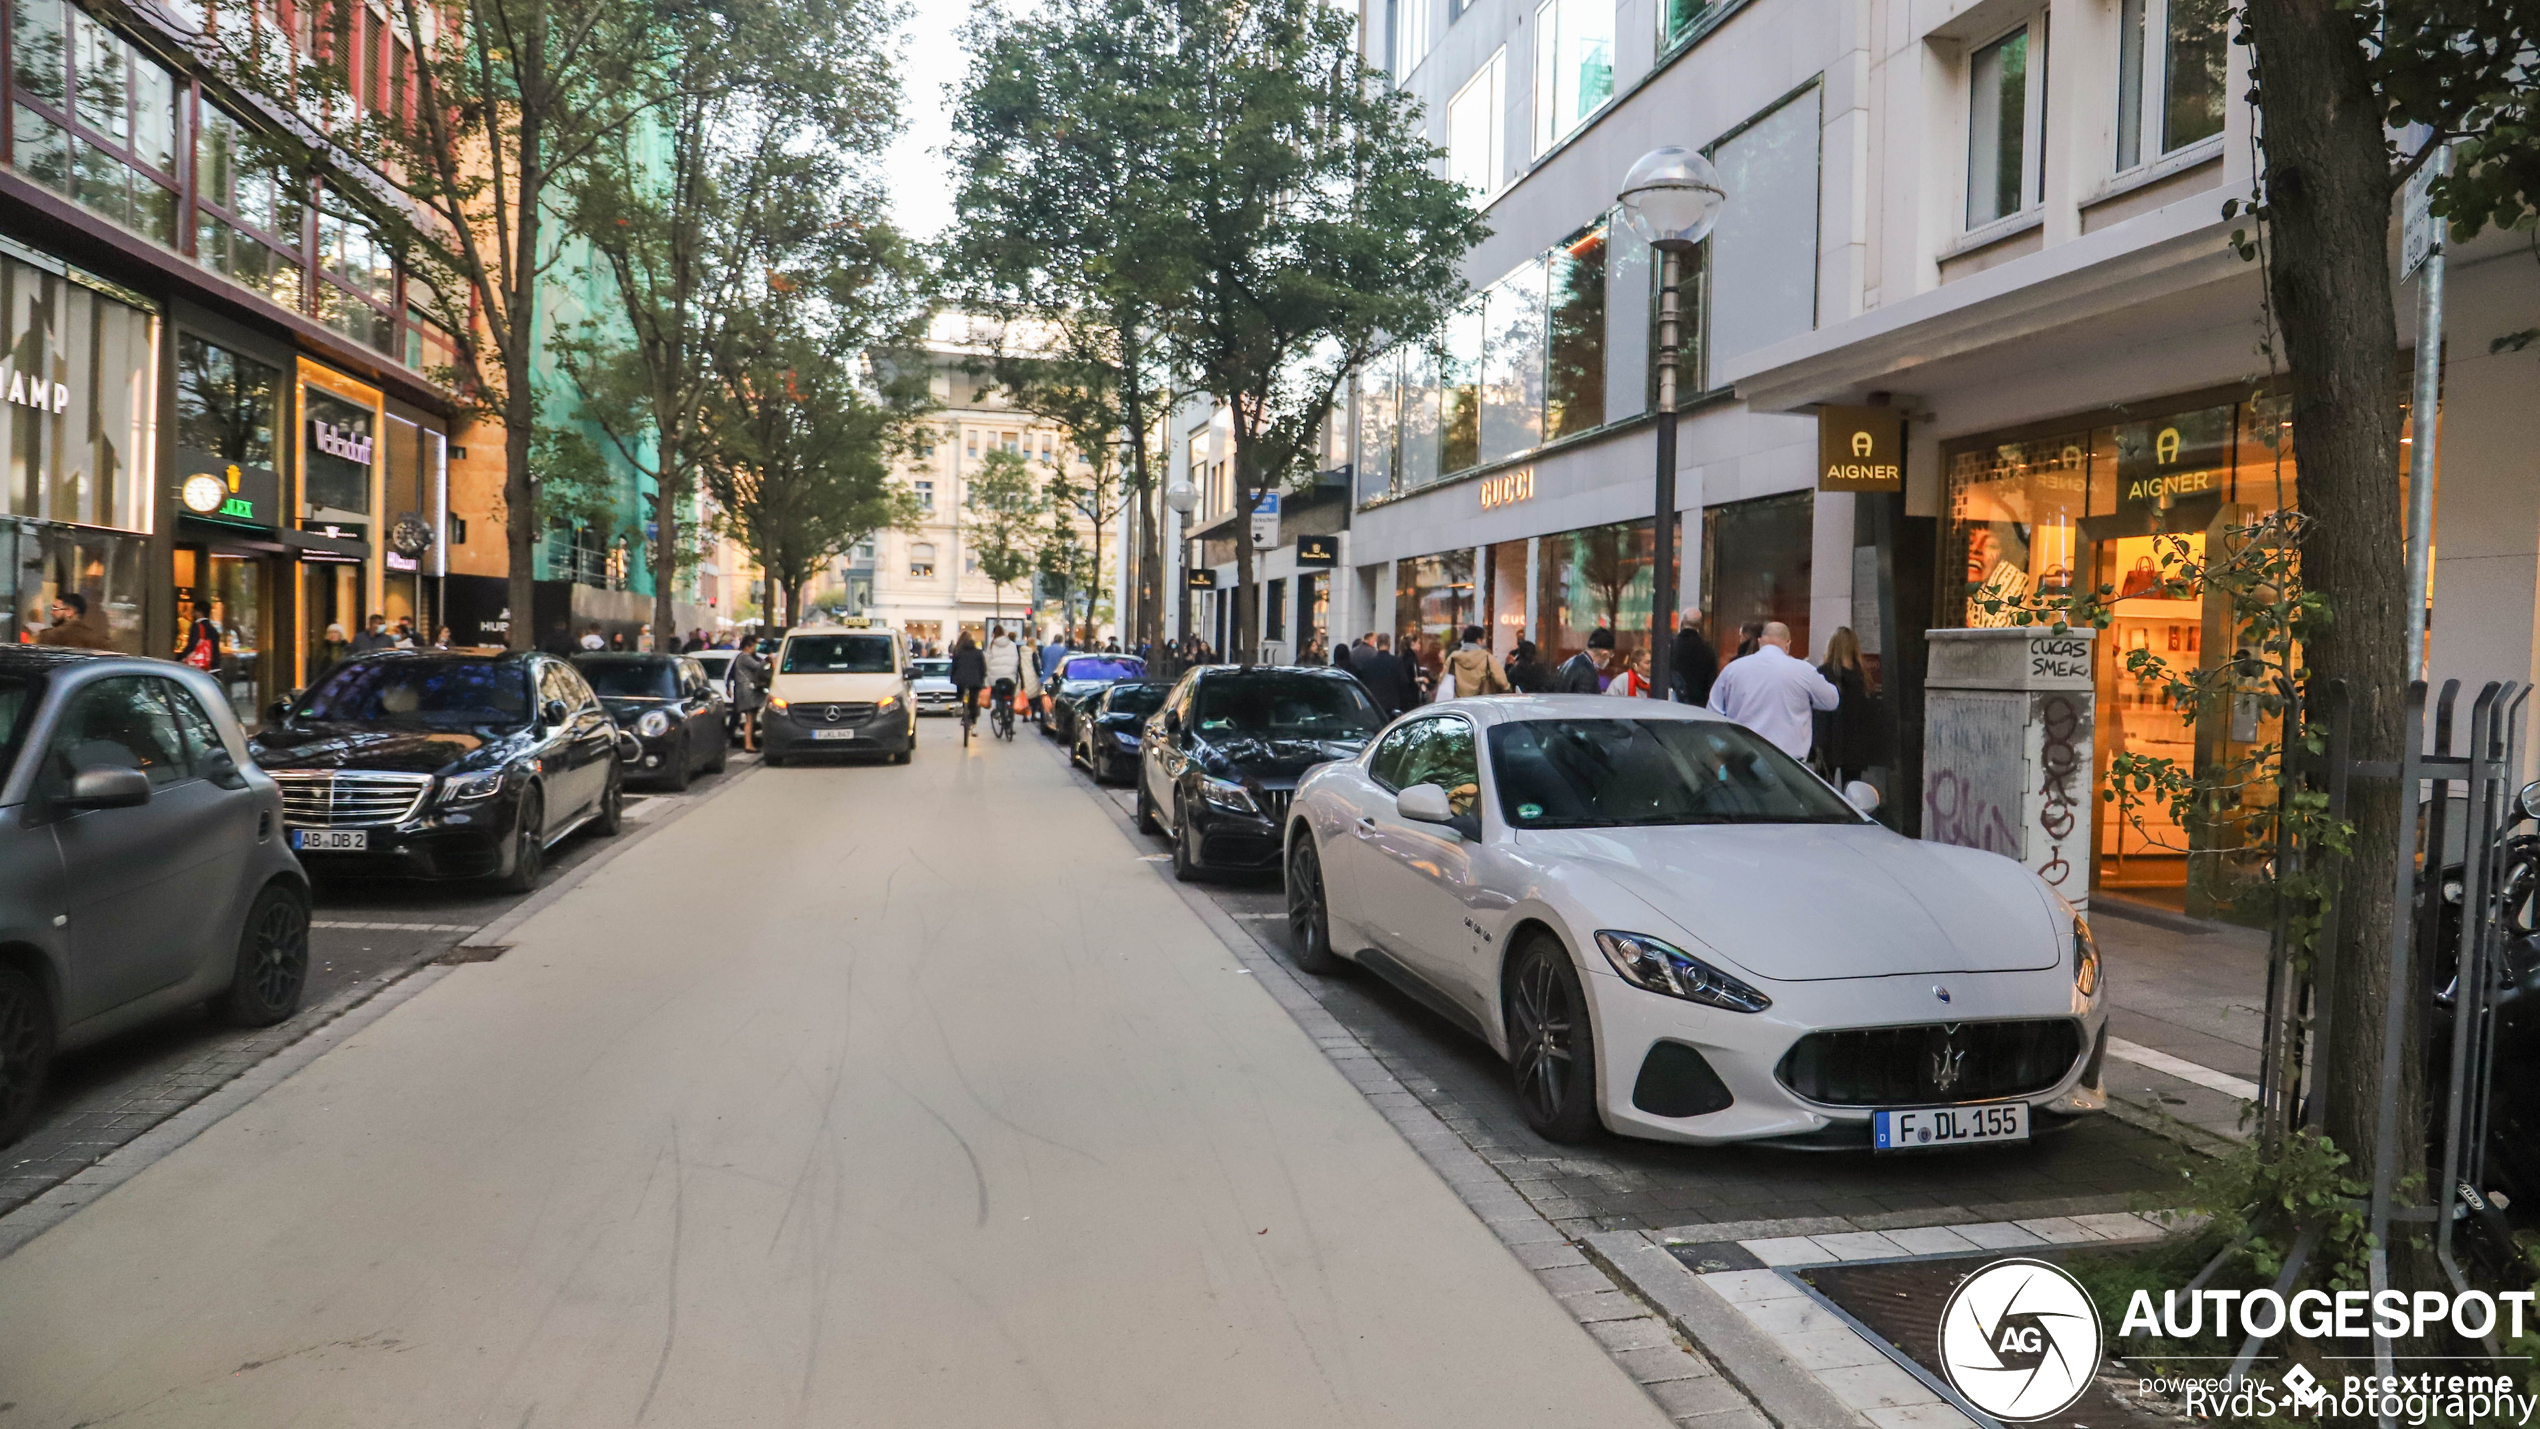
[(2142, 580)]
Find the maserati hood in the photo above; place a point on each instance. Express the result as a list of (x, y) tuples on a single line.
[(1810, 902)]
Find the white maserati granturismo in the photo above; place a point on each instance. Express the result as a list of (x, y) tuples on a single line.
[(1671, 929)]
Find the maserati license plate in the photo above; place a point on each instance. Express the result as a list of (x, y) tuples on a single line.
[(1927, 1127), (331, 840), (833, 734)]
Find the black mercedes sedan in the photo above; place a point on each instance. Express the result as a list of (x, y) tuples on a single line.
[(443, 764), (1219, 763), (1108, 725), (1081, 676), (670, 706)]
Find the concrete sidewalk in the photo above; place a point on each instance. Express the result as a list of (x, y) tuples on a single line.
[(882, 1096)]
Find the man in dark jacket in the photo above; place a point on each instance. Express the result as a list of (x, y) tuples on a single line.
[(1381, 673), (1693, 664), (1578, 675)]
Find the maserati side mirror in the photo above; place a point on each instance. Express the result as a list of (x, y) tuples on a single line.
[(1424, 804)]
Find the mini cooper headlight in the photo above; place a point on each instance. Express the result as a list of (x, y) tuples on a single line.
[(1227, 794), (1645, 962), (2085, 960), (653, 725), (467, 788)]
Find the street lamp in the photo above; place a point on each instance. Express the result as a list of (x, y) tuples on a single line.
[(1182, 497), (1671, 198)]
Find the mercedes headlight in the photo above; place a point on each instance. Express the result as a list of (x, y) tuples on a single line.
[(1229, 795), (1646, 962), (888, 703), (467, 788), (653, 725), (777, 704), (2085, 959)]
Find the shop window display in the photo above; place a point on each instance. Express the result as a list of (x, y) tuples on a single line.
[(1433, 602), (1757, 565), (1596, 576), (77, 421)]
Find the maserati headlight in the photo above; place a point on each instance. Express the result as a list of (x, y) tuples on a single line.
[(1229, 795), (2085, 960), (467, 788), (1646, 962), (653, 725)]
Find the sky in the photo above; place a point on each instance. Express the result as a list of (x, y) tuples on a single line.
[(921, 190)]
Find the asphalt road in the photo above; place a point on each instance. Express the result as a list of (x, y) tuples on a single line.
[(2100, 1164), (367, 934)]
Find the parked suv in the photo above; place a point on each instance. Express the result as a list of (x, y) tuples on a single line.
[(444, 764), (142, 862)]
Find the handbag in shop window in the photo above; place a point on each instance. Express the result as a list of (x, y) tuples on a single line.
[(2143, 579)]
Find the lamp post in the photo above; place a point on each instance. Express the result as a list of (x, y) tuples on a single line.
[(1671, 198), (1182, 496)]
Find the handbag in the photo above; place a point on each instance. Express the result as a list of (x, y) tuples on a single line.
[(2141, 580)]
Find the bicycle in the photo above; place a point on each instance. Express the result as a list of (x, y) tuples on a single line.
[(969, 713), (1001, 714)]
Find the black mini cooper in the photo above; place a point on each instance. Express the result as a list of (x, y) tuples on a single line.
[(443, 764)]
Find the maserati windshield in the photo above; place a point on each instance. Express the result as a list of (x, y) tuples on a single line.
[(1622, 773)]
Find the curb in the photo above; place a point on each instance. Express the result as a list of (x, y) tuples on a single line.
[(337, 1019)]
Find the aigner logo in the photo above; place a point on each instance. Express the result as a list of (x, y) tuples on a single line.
[(2020, 1339), (1861, 444)]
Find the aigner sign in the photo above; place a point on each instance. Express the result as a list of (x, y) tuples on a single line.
[(1860, 449)]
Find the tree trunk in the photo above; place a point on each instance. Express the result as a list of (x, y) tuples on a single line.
[(665, 568), (1148, 624), (1093, 593), (2328, 191), (520, 525), (793, 603)]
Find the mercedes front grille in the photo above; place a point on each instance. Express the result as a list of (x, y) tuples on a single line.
[(319, 799)]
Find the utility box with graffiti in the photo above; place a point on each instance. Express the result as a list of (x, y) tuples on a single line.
[(2006, 748)]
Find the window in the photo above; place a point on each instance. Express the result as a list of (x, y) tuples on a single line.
[(921, 561), (1459, 389), (1679, 18), (1475, 119), (974, 443), (227, 406), (96, 118), (1618, 773), (925, 496), (839, 655), (1574, 336), (250, 210), (1013, 441), (1574, 65), (336, 464), (1762, 285), (357, 275), (2169, 88), (1379, 425), (2006, 107), (78, 426), (1511, 377), (1430, 751), (119, 723), (1410, 35)]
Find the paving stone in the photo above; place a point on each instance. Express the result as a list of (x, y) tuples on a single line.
[(1599, 1305), (2119, 1225), (1646, 1333), (1930, 1240), (1749, 1287), (1832, 1349), (1788, 1250), (1859, 1245), (1797, 1315), (1999, 1235), (1661, 1363), (1917, 1416), (1708, 1395), (2056, 1230), (1574, 1279), (1741, 1417), (1876, 1386)]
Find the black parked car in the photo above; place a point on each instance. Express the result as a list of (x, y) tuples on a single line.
[(142, 869), (671, 707), (1219, 763), (444, 764), (1108, 725), (1081, 676)]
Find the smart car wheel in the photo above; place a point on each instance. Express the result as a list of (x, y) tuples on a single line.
[(26, 1051), (273, 961), (1550, 1045), (529, 845), (1309, 916)]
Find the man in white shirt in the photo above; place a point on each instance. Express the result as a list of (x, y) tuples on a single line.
[(1772, 693)]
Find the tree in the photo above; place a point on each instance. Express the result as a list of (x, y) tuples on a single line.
[(1005, 506), (756, 150), (1063, 236), (2336, 80), (1093, 493), (464, 178), (1311, 229)]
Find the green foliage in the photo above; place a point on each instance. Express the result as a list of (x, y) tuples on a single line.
[(2463, 69), (572, 480), (2244, 798), (1006, 509)]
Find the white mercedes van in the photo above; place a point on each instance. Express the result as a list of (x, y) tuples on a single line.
[(839, 689)]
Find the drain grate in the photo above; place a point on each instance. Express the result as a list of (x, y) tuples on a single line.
[(476, 953)]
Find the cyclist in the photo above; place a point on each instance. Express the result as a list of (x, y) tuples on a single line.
[(1005, 671), (969, 675)]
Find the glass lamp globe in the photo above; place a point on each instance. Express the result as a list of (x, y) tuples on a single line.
[(1181, 496), (1672, 197)]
